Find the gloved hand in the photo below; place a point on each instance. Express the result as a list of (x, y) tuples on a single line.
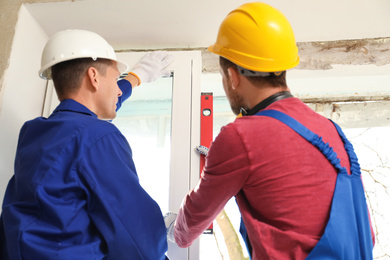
[(152, 66), (170, 220), (202, 149)]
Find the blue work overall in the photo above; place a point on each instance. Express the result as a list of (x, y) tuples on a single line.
[(347, 234)]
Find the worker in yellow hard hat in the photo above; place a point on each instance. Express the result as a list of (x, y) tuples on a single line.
[(272, 159)]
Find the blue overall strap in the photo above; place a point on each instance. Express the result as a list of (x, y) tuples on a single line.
[(347, 234), (245, 238)]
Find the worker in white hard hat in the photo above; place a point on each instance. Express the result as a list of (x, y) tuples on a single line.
[(279, 159), (75, 192)]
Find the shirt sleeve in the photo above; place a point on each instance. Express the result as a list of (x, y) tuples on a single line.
[(126, 89), (225, 173), (128, 219)]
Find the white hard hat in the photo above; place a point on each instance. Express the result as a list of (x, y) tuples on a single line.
[(74, 44)]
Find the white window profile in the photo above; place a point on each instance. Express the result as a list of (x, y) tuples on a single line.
[(185, 131)]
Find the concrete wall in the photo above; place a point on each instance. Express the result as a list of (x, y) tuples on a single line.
[(9, 10), (22, 90)]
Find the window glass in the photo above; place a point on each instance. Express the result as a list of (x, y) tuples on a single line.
[(146, 124)]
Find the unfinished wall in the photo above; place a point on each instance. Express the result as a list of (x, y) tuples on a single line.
[(324, 55), (22, 91), (9, 11)]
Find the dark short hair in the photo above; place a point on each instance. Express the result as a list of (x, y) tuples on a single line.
[(273, 80), (67, 76)]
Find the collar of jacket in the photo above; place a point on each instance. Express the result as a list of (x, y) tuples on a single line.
[(73, 106), (266, 102)]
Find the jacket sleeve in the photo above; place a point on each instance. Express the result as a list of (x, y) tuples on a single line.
[(126, 89), (128, 219), (225, 173)]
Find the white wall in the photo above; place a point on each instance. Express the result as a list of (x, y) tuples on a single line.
[(23, 90)]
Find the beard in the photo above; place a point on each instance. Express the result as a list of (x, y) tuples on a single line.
[(236, 102)]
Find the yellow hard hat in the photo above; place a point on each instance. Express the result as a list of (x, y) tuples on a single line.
[(257, 37)]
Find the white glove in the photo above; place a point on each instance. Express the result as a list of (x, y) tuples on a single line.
[(152, 66), (202, 150), (170, 220)]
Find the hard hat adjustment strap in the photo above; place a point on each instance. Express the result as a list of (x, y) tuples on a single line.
[(252, 73)]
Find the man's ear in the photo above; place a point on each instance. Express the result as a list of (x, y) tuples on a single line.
[(93, 77), (234, 77)]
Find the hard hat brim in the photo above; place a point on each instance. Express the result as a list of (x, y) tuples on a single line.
[(45, 72)]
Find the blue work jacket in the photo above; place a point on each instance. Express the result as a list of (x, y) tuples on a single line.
[(75, 193)]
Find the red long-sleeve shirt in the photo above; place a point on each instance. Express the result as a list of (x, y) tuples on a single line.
[(282, 183)]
